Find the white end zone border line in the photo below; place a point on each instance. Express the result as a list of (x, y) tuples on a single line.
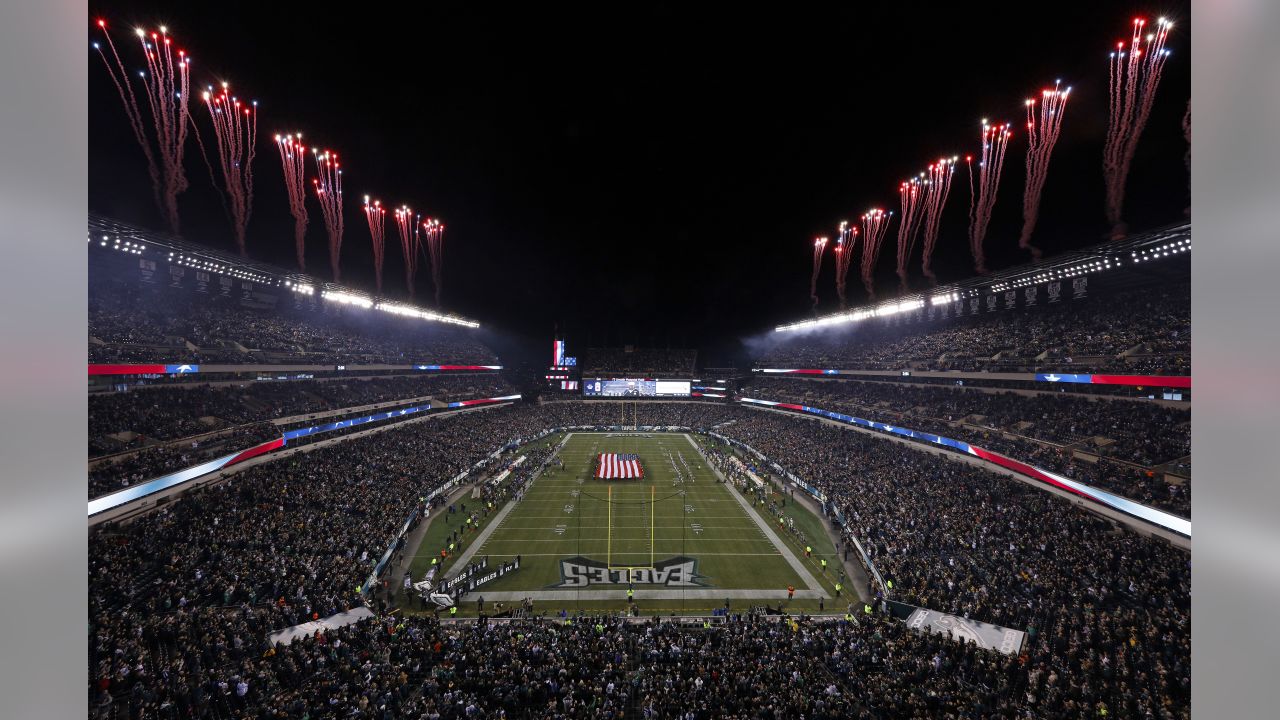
[(809, 581)]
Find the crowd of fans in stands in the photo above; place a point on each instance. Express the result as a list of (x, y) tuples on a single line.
[(1137, 437), (182, 600), (168, 412), (130, 324), (116, 473), (1153, 326), (640, 362), (1111, 609)]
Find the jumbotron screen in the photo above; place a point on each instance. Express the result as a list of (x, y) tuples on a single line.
[(635, 387)]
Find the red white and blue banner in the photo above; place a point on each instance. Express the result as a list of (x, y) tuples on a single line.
[(482, 401), (129, 494), (1169, 521), (142, 369), (187, 369), (614, 466), (1161, 381)]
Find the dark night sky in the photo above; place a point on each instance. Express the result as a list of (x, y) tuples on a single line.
[(648, 176)]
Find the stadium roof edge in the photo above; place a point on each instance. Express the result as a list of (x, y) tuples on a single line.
[(162, 246), (1126, 253)]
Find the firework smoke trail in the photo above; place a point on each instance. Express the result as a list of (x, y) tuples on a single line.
[(377, 231), (235, 126), (166, 82), (910, 194), (409, 241), (328, 184), (1041, 137), (435, 247), (819, 244), (120, 77), (995, 141), (875, 223), (847, 238), (1186, 132), (293, 159), (939, 187), (1134, 78)]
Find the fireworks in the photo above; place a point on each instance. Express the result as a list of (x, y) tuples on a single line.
[(434, 230), (292, 157), (377, 231), (995, 141), (938, 187), (407, 223), (819, 244), (165, 83), (328, 184), (847, 238), (235, 127), (875, 223), (1134, 77), (1041, 137), (910, 193)]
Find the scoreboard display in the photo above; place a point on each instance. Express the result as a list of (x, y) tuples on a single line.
[(635, 387)]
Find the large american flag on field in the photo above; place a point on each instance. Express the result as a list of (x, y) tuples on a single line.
[(614, 465)]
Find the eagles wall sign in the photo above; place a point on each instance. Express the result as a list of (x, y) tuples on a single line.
[(580, 572)]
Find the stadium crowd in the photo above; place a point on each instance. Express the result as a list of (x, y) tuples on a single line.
[(116, 473), (1110, 609), (169, 412), (128, 323), (1046, 428), (1152, 327), (640, 362), (182, 600)]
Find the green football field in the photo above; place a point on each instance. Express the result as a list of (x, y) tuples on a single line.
[(678, 534)]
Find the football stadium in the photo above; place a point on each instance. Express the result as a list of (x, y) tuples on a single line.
[(531, 448)]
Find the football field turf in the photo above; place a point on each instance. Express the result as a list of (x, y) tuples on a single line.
[(676, 533)]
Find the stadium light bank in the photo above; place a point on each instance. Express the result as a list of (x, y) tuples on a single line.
[(881, 310), (1149, 247), (127, 239)]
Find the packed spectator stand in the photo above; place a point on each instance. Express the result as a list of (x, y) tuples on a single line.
[(1128, 443), (183, 599), (131, 323), (1138, 331), (639, 362)]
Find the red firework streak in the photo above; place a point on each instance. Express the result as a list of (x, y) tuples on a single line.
[(995, 141), (434, 230), (328, 184), (406, 222), (875, 223), (911, 192), (1041, 137), (939, 187), (166, 82), (293, 159), (235, 126), (819, 244), (846, 240), (377, 231), (1134, 78)]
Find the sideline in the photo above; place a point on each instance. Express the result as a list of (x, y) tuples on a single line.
[(809, 580)]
